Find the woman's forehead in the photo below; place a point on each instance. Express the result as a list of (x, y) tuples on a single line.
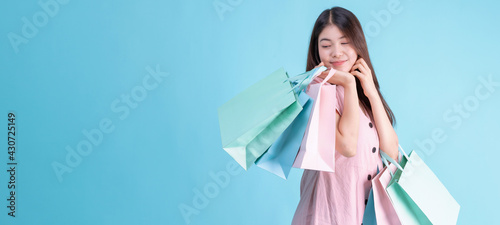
[(331, 33)]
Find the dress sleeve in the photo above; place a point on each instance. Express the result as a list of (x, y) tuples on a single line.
[(339, 105)]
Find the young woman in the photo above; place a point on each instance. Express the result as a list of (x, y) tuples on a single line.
[(364, 124)]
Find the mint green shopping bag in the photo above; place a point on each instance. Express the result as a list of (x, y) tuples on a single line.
[(417, 194), (279, 158), (255, 118)]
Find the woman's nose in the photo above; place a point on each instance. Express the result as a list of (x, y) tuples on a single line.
[(336, 52)]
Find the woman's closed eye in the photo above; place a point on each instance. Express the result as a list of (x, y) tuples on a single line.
[(328, 46)]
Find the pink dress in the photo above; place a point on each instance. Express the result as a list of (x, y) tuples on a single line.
[(340, 197)]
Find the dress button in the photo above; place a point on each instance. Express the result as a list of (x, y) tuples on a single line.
[(370, 124), (374, 149), (369, 176)]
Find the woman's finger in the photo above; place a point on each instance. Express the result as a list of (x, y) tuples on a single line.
[(359, 67), (359, 75), (362, 69), (323, 74), (365, 65), (354, 67), (319, 65)]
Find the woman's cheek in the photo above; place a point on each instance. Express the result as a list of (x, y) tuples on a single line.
[(322, 56), (351, 64)]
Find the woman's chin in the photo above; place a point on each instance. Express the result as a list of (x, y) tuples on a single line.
[(341, 68)]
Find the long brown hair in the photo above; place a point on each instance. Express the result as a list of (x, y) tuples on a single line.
[(347, 22)]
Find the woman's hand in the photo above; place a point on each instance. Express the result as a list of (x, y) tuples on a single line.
[(321, 64), (365, 77), (341, 78)]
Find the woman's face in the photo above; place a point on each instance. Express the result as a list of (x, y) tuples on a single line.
[(335, 50)]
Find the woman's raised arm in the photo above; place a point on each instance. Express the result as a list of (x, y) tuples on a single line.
[(346, 139)]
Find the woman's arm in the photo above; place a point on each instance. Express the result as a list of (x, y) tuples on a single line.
[(388, 140), (346, 138)]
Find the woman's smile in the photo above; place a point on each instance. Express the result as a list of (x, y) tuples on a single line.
[(338, 63)]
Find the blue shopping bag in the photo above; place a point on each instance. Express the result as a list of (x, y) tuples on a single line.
[(369, 217), (279, 158)]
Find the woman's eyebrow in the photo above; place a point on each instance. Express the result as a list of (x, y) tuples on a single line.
[(327, 39)]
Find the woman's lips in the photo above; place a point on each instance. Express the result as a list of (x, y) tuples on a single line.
[(338, 63)]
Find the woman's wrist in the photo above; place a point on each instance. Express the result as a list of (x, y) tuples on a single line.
[(349, 82), (373, 96)]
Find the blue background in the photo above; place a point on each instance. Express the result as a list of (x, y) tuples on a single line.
[(429, 56)]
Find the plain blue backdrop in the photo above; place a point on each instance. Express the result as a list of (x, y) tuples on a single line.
[(135, 86)]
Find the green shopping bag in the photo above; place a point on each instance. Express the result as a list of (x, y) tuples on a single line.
[(417, 194), (255, 118)]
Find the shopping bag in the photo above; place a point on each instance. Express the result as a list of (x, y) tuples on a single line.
[(255, 118), (317, 150), (369, 216), (384, 210), (301, 81), (279, 158), (417, 194)]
